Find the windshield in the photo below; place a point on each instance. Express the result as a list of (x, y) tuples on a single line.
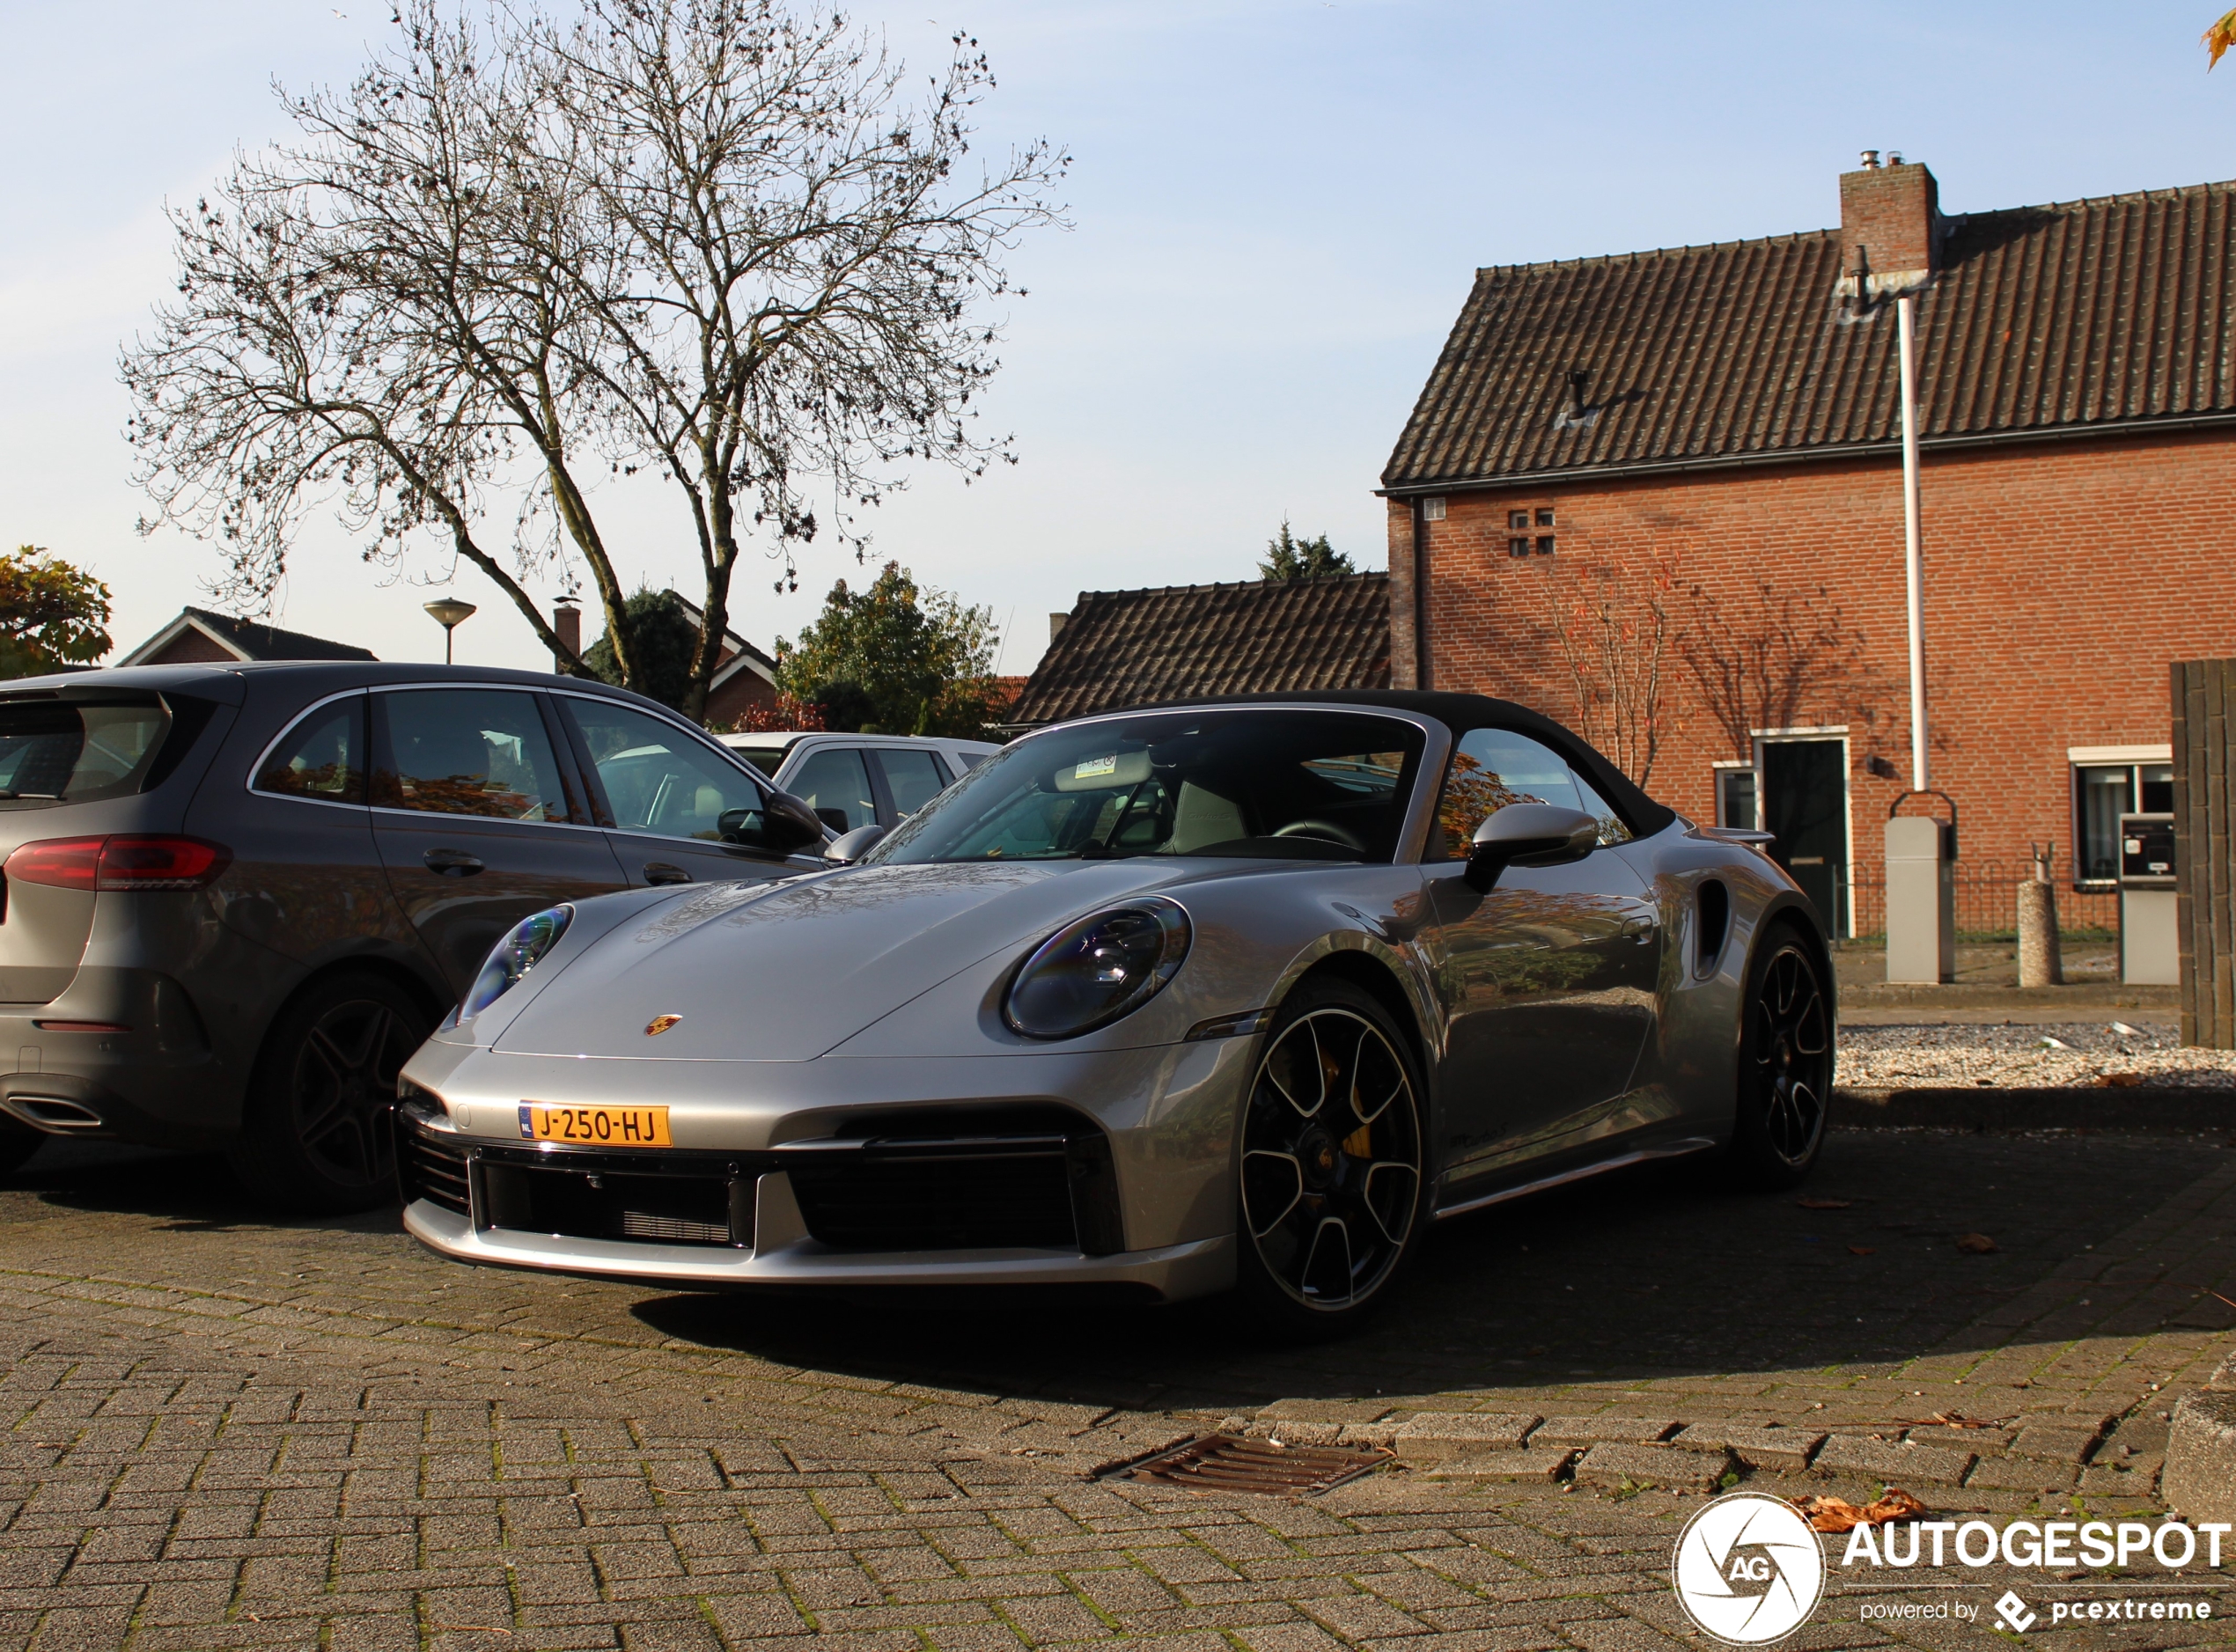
[(1288, 785), (58, 750)]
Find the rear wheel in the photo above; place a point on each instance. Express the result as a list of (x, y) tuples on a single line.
[(315, 1135), (1785, 1065), (16, 1145), (1328, 1200)]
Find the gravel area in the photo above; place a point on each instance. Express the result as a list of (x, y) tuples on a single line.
[(2067, 1055)]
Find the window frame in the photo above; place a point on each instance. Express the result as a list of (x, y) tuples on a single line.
[(365, 731), (376, 747), (882, 810), (1567, 759), (1731, 766), (601, 809), (881, 782)]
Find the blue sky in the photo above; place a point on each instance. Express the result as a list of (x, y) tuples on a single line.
[(1278, 207)]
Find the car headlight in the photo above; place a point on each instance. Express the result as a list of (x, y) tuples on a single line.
[(1089, 973), (514, 956)]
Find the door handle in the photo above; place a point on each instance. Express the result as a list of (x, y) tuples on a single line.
[(452, 863), (658, 872)]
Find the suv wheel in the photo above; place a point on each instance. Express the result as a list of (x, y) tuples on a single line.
[(315, 1135), (16, 1145)]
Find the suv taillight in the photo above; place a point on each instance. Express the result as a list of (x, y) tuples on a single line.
[(121, 862)]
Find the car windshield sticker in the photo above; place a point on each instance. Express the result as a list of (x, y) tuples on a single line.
[(1095, 766)]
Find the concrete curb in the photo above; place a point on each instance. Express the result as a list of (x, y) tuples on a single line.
[(2199, 1479), (2140, 1112)]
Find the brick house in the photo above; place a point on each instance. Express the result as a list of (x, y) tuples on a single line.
[(1131, 647), (1715, 431)]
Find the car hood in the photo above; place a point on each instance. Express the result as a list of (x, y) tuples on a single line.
[(784, 972)]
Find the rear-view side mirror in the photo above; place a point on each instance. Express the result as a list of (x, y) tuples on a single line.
[(783, 826), (1529, 834), (852, 846)]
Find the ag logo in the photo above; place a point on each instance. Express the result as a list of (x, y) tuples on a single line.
[(1748, 1569)]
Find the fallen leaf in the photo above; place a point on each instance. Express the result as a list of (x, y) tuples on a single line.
[(1836, 1514), (1976, 1244), (1953, 1419), (2120, 1081), (1824, 1204), (2048, 1043), (1863, 1249)]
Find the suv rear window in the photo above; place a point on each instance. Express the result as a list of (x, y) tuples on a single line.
[(57, 751)]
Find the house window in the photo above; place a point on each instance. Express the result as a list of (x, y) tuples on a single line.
[(1433, 510), (1544, 545), (1517, 547), (1518, 518), (1545, 516), (1735, 794), (2102, 792)]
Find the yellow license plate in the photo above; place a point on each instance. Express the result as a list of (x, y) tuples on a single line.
[(595, 1127)]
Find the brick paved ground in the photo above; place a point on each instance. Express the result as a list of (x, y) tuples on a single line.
[(216, 1432)]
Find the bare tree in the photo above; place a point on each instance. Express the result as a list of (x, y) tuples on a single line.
[(1760, 661), (1611, 621), (705, 239)]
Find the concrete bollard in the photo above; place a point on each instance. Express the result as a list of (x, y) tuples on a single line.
[(2039, 961)]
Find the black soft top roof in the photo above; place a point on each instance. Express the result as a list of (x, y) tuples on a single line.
[(1462, 712)]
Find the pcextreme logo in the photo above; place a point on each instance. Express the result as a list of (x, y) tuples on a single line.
[(1748, 1569)]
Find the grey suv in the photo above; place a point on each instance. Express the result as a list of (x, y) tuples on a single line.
[(235, 899)]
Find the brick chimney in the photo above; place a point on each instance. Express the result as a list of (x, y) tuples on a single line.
[(1056, 622), (1891, 213), (566, 624)]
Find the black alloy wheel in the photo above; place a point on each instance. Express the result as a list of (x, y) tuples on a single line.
[(1331, 1163), (317, 1133), (1785, 1067)]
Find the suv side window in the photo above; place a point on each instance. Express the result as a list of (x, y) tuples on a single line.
[(914, 778), (1492, 767), (322, 757), (656, 778), (467, 751), (836, 786)]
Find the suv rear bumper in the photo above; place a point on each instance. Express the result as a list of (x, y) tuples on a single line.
[(120, 1056)]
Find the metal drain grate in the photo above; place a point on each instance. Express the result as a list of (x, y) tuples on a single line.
[(1221, 1462)]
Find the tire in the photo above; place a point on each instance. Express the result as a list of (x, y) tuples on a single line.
[(1328, 1179), (16, 1145), (1785, 1065), (314, 1135)]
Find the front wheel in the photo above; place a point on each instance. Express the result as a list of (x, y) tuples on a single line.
[(1329, 1200), (1785, 1065), (315, 1136)]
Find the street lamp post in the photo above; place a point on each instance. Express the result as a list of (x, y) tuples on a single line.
[(449, 613), (1921, 882)]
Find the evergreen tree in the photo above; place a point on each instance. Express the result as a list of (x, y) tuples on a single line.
[(1290, 557)]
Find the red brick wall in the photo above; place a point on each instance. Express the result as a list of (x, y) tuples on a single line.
[(2060, 581), (740, 694)]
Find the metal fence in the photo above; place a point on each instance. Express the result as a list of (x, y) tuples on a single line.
[(1987, 902)]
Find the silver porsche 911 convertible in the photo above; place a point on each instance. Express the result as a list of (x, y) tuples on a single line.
[(1240, 995)]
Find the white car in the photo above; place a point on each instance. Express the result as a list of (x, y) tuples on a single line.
[(858, 780)]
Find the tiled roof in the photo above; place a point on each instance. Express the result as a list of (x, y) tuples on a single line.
[(247, 640), (1128, 648), (2084, 316)]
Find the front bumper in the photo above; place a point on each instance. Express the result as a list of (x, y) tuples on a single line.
[(1173, 1272)]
